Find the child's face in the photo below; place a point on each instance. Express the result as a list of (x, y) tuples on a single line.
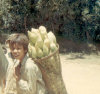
[(18, 51)]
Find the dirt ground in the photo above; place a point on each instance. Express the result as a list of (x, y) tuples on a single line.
[(81, 73)]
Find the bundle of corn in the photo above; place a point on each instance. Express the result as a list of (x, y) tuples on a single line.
[(41, 43), (44, 50)]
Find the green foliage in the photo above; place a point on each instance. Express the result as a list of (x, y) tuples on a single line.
[(74, 19)]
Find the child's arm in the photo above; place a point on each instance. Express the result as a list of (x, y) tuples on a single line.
[(33, 83), (28, 86), (3, 64)]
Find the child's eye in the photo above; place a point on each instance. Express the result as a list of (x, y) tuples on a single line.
[(12, 48), (18, 48)]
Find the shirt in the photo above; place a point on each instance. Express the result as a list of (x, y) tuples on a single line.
[(31, 81)]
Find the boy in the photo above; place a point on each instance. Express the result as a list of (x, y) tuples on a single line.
[(23, 75)]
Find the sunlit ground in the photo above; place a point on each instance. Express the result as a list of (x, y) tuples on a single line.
[(81, 73)]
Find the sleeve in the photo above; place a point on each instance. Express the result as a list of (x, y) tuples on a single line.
[(1, 73), (41, 89), (3, 64), (33, 83)]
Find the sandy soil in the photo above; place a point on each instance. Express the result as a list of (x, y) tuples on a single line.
[(81, 73)]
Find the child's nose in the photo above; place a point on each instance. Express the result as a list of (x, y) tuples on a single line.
[(15, 50)]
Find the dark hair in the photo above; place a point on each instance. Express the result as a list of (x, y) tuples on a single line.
[(19, 38)]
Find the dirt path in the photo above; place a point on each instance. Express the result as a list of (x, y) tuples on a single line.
[(81, 73)]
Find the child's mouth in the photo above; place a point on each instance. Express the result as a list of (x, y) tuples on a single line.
[(16, 56)]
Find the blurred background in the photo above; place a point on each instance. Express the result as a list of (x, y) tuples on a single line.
[(76, 23)]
